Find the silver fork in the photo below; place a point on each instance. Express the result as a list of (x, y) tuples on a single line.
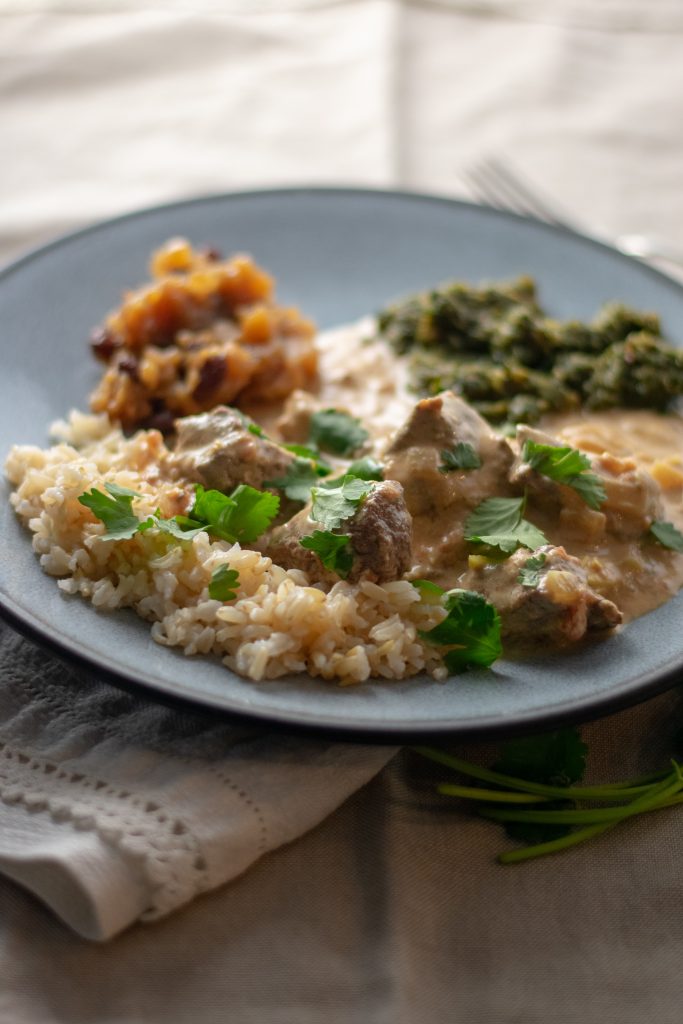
[(495, 183)]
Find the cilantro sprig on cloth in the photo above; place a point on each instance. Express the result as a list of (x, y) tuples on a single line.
[(500, 523), (566, 466), (542, 772)]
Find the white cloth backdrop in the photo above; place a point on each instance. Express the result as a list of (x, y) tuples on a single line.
[(392, 909)]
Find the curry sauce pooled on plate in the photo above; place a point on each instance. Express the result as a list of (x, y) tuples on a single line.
[(408, 494)]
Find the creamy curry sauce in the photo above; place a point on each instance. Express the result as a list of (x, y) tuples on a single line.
[(643, 574), (359, 374)]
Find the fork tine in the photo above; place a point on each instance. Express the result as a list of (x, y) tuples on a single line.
[(515, 184), (497, 183), (486, 186)]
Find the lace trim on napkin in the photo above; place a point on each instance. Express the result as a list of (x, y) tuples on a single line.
[(156, 845)]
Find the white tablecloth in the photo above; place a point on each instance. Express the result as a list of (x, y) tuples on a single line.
[(391, 910)]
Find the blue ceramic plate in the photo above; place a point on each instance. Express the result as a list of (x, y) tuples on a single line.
[(337, 253)]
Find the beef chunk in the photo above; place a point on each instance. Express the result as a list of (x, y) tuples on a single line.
[(561, 609), (380, 534), (295, 422), (440, 499), (414, 457), (633, 496), (218, 450)]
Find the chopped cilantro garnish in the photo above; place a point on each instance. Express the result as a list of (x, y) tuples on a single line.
[(471, 631), (366, 469), (332, 505), (223, 579), (313, 455), (667, 535), (297, 482), (251, 425), (333, 550), (541, 772), (363, 469), (114, 509), (336, 432), (430, 592), (500, 523), (566, 466), (462, 456), (180, 527), (243, 516), (530, 573)]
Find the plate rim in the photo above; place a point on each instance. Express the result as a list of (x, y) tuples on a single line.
[(642, 688)]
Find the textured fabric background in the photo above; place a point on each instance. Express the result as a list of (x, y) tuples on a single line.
[(392, 909)]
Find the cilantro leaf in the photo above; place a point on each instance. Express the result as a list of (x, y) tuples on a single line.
[(566, 466), (212, 508), (430, 593), (363, 469), (530, 573), (252, 512), (591, 489), (471, 630), (366, 469), (333, 550), (297, 482), (223, 579), (114, 509), (242, 516), (495, 515), (499, 523), (180, 527), (667, 535), (529, 536), (332, 505), (313, 455), (254, 428), (531, 832), (556, 758), (462, 456), (336, 432)]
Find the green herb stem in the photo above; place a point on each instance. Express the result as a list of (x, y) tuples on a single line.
[(553, 845), (492, 795), (609, 791), (663, 794), (658, 794)]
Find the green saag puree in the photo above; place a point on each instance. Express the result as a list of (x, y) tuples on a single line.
[(497, 348)]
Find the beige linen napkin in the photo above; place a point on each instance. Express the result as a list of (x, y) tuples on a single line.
[(114, 809)]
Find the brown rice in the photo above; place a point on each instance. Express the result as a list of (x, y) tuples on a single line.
[(280, 623)]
